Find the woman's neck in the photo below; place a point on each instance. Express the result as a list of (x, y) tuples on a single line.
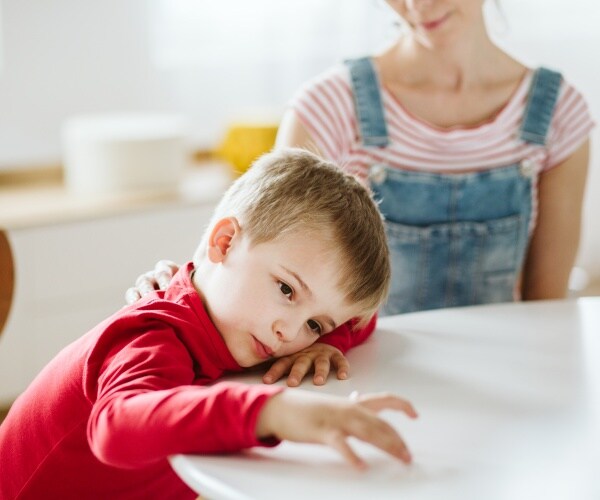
[(465, 63), (459, 84)]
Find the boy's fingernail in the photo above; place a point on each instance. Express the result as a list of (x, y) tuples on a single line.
[(319, 379), (343, 375), (267, 379)]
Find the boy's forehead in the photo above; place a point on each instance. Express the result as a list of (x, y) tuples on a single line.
[(299, 244), (312, 244)]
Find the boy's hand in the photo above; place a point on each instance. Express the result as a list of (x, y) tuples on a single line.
[(157, 279), (305, 417), (321, 356)]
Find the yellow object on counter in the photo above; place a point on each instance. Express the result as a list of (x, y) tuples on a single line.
[(244, 142)]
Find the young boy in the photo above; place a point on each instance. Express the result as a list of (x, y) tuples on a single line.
[(294, 249)]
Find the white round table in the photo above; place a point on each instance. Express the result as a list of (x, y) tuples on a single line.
[(509, 404)]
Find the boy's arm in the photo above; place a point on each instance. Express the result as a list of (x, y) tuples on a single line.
[(320, 356), (317, 418), (134, 429), (145, 408)]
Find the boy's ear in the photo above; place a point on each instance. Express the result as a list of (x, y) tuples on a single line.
[(221, 237)]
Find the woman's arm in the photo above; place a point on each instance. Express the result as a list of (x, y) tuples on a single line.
[(555, 240), (292, 133)]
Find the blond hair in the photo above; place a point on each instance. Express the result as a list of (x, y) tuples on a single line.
[(292, 189)]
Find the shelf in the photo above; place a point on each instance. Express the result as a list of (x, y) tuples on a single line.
[(23, 206)]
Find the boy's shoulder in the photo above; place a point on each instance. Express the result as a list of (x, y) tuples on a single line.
[(180, 302), (178, 310), (172, 321)]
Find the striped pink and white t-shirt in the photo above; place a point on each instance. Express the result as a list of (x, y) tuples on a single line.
[(325, 106)]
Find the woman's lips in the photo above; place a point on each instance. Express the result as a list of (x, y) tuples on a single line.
[(431, 25), (263, 351)]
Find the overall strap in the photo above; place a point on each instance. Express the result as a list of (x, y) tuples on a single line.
[(367, 101), (541, 102)]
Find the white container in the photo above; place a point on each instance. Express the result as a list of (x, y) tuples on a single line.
[(116, 153)]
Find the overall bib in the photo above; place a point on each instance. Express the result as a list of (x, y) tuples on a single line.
[(454, 239)]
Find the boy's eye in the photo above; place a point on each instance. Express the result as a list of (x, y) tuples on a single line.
[(314, 326), (286, 290)]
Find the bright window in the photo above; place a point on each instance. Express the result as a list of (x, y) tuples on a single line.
[(200, 32)]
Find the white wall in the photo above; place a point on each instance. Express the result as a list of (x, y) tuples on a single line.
[(69, 56), (64, 57)]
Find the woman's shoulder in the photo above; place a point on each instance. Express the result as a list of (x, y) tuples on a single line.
[(570, 101), (570, 91), (567, 88), (568, 97), (571, 123)]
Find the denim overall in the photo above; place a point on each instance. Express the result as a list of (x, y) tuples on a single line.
[(454, 239)]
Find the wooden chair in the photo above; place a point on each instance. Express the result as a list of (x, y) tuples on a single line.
[(7, 279)]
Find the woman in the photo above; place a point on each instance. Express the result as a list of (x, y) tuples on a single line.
[(479, 162), (482, 194)]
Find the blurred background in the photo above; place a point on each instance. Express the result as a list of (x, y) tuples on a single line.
[(222, 62), (218, 66)]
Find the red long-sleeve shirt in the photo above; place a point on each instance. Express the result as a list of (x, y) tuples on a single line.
[(101, 419)]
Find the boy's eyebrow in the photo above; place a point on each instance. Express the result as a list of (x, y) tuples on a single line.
[(303, 285)]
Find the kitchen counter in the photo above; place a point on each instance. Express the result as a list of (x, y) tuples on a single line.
[(42, 204)]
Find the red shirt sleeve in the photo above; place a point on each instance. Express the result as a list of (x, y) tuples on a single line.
[(146, 408), (346, 336)]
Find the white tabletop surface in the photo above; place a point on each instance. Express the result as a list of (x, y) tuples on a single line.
[(509, 404)]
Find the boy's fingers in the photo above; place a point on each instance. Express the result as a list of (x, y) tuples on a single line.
[(278, 370), (378, 402), (302, 364), (342, 365), (338, 442), (322, 368), (377, 432)]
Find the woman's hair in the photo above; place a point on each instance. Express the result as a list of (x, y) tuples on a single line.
[(291, 190)]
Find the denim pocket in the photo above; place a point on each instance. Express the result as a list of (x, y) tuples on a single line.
[(455, 239), (500, 259), (453, 264), (499, 244)]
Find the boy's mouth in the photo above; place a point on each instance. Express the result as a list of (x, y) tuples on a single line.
[(263, 351)]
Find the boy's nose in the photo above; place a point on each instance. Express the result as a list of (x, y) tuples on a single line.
[(287, 330)]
